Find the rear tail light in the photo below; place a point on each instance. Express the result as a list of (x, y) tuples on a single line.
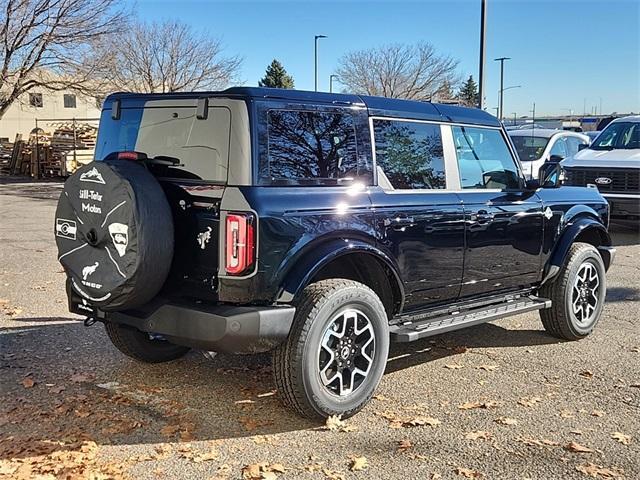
[(240, 243)]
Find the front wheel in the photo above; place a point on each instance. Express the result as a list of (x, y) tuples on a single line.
[(577, 294), (336, 352)]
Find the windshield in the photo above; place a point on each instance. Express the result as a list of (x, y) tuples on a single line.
[(529, 148), (200, 145), (618, 135)]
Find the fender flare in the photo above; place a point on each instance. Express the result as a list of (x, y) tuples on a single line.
[(299, 275), (574, 229)]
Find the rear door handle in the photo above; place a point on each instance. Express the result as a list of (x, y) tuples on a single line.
[(400, 222), (482, 216)]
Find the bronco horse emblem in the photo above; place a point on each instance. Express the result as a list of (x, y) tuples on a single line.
[(88, 270)]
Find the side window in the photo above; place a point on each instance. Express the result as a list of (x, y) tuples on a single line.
[(69, 100), (484, 159), (409, 155), (573, 145), (311, 147), (559, 148)]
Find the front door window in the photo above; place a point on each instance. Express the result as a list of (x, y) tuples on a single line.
[(484, 160)]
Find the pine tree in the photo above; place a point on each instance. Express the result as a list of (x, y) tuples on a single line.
[(445, 92), (276, 77), (468, 94)]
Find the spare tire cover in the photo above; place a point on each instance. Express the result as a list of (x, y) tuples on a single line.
[(114, 232)]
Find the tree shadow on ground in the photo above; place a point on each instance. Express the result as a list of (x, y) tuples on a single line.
[(85, 389), (487, 335), (623, 294)]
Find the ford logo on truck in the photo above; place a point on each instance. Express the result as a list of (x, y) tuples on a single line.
[(603, 180)]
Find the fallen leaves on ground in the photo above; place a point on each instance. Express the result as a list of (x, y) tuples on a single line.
[(335, 424), (57, 389), (467, 472), (477, 435), (404, 445), (251, 424), (421, 421), (52, 459), (453, 366), (577, 448), (82, 377), (396, 421), (487, 368), (621, 437), (9, 310), (262, 471), (28, 382), (506, 421), (333, 474), (358, 463), (586, 374), (597, 413), (529, 401), (472, 405), (595, 471)]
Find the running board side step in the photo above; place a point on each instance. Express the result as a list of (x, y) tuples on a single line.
[(417, 329)]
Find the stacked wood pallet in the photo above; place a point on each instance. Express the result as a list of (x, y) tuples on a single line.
[(56, 153)]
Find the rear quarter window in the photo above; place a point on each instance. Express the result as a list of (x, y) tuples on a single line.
[(308, 147)]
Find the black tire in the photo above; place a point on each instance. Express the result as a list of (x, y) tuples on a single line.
[(560, 320), (139, 346), (296, 363), (114, 232)]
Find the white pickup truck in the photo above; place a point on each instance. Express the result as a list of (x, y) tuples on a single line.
[(612, 164)]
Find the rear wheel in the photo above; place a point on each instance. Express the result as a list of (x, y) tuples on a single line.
[(142, 346), (336, 352), (577, 294)]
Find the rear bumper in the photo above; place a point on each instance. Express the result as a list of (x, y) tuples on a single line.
[(219, 328)]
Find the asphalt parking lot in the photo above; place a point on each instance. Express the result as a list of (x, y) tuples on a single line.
[(498, 401)]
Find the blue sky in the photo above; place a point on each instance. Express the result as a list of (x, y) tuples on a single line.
[(564, 52)]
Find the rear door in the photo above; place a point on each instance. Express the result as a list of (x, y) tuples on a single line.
[(504, 222), (192, 146), (420, 222)]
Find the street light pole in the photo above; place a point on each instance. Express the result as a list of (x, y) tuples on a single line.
[(483, 25), (315, 51), (331, 77), (501, 60)]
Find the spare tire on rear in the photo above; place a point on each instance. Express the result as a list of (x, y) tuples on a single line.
[(114, 232)]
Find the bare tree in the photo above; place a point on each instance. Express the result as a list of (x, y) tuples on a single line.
[(401, 71), (166, 57), (43, 42)]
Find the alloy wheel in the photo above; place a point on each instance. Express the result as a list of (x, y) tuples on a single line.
[(584, 294), (346, 352)]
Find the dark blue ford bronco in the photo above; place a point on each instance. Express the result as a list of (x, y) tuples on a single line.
[(321, 227)]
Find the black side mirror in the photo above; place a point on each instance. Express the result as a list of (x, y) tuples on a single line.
[(555, 158), (532, 184), (582, 146), (549, 175)]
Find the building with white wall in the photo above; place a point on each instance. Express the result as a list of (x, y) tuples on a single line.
[(43, 104)]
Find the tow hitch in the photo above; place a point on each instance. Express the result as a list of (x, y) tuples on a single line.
[(90, 321)]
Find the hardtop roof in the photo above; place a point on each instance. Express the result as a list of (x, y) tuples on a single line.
[(377, 106)]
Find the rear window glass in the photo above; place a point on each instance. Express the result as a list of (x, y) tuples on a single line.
[(200, 146), (410, 154), (310, 147)]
